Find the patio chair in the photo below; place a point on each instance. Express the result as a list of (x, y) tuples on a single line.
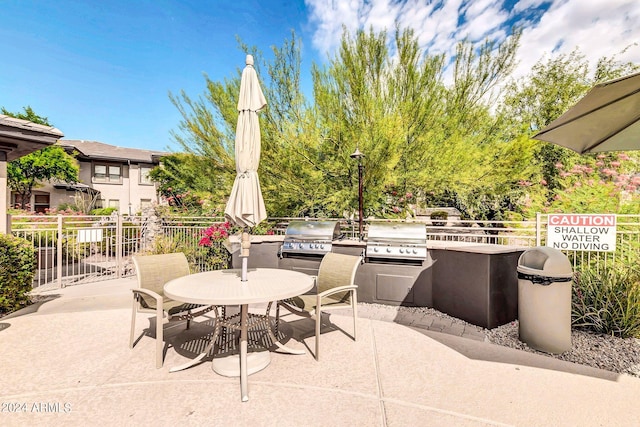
[(335, 289), (153, 271)]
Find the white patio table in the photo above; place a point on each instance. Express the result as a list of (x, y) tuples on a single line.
[(223, 288)]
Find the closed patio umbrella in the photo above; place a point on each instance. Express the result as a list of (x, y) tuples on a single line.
[(605, 119), (245, 206)]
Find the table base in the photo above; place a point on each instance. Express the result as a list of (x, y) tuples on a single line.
[(229, 366)]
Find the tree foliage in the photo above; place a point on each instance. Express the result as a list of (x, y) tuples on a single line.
[(553, 86), (429, 140)]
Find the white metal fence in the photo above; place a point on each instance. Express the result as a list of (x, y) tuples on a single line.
[(78, 249)]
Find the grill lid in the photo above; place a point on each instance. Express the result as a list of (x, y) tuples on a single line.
[(396, 232), (310, 237), (313, 230)]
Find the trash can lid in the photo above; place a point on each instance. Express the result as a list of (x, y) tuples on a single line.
[(545, 261)]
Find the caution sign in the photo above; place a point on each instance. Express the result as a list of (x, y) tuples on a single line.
[(582, 232)]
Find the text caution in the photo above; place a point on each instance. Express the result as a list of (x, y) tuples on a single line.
[(582, 232)]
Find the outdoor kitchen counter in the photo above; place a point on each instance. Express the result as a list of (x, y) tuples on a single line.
[(474, 282), (262, 254), (258, 238), (477, 283), (473, 247), (348, 245)]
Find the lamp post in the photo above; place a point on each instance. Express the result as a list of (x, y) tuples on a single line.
[(358, 156)]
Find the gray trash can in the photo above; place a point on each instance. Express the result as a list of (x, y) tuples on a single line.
[(544, 299)]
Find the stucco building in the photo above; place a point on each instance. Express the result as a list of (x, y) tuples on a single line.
[(112, 176)]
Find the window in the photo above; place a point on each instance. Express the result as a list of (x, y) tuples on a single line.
[(145, 203), (17, 201), (114, 203), (41, 202), (107, 173), (144, 175)]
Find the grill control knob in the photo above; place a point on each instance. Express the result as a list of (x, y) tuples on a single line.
[(376, 249), (388, 250), (321, 246), (415, 251), (301, 245), (401, 250)]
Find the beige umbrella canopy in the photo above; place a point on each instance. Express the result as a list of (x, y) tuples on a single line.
[(606, 119), (245, 206)]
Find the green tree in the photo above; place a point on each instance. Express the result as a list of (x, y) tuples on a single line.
[(553, 86), (207, 132), (473, 164), (420, 137), (182, 182), (50, 163), (353, 110)]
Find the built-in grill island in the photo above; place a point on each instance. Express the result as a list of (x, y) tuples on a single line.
[(473, 282), (397, 267), (305, 243)]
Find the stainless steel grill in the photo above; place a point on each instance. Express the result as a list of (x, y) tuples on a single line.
[(397, 241), (310, 237)]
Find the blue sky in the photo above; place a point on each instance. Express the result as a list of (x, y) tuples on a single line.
[(102, 70)]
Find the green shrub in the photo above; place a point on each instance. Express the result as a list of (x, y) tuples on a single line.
[(102, 211), (74, 251), (439, 218), (17, 268), (68, 206), (607, 300), (164, 245)]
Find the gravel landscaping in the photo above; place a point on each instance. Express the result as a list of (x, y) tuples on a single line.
[(591, 349), (588, 348)]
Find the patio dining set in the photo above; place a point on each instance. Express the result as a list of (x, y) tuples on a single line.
[(168, 291)]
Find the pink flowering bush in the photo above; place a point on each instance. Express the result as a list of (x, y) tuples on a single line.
[(397, 203), (213, 254), (215, 233), (607, 183)]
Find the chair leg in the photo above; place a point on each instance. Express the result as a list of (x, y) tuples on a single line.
[(354, 303), (159, 338), (133, 322), (277, 318), (318, 324)]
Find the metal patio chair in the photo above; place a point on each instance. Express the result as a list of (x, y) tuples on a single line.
[(153, 271), (335, 289)]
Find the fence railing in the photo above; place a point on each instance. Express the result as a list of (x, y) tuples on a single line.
[(79, 249)]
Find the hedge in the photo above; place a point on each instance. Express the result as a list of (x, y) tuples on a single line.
[(17, 269)]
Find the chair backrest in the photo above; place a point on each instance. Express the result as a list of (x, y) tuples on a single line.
[(337, 270), (154, 271)]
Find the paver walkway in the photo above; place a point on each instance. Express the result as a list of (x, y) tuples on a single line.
[(67, 362)]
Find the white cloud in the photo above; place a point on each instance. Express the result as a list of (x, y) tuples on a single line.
[(598, 27), (523, 5)]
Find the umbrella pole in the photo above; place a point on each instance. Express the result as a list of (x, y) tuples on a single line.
[(245, 244)]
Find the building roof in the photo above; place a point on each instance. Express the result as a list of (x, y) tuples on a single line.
[(21, 137), (94, 150)]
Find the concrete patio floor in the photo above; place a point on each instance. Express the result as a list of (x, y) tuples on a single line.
[(66, 361)]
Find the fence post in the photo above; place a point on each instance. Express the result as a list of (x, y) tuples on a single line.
[(118, 246), (538, 229), (59, 253)]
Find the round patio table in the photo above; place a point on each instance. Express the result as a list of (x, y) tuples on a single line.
[(225, 287)]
